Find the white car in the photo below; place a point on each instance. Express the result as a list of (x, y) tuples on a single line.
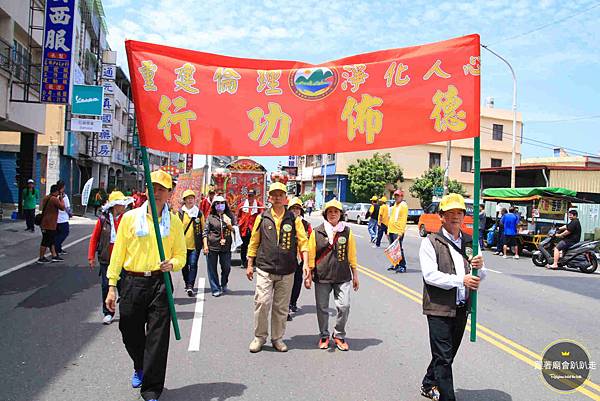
[(357, 213)]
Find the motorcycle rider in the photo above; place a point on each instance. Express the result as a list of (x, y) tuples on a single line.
[(570, 235)]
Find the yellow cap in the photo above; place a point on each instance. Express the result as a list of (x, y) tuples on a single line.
[(295, 202), (452, 201), (277, 186), (333, 203), (188, 192), (163, 178), (373, 198), (116, 196), (383, 199)]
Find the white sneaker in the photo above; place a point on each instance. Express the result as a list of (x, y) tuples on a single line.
[(504, 257), (516, 257), (107, 319)]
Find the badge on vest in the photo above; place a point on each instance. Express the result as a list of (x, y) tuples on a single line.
[(469, 252), (342, 240), (287, 228)]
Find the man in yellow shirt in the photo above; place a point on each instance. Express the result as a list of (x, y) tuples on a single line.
[(397, 226), (382, 220), (277, 237), (144, 311)]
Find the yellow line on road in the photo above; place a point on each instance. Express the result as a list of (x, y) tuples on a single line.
[(484, 333)]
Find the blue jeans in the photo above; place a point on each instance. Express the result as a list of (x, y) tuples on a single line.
[(213, 275), (372, 227), (481, 234), (403, 261), (382, 229), (190, 270), (62, 232)]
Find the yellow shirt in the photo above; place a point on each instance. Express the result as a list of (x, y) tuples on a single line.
[(398, 217), (255, 238), (384, 214), (312, 250), (140, 254), (190, 242)]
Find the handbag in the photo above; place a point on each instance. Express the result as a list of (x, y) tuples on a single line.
[(38, 217)]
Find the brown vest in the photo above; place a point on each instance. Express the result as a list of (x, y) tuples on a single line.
[(334, 267), (215, 225), (277, 256), (436, 300)]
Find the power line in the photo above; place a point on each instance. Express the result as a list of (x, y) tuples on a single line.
[(558, 21)]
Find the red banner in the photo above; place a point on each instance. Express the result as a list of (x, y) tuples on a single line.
[(192, 102)]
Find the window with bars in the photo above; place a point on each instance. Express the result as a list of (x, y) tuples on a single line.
[(497, 132), (435, 160), (466, 164), (496, 162)]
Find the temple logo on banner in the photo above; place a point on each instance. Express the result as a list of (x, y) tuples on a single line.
[(313, 83)]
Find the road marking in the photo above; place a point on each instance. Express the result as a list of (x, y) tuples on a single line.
[(22, 265), (356, 235), (492, 270), (198, 314), (483, 332)]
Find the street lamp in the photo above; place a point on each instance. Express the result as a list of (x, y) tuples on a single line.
[(514, 108)]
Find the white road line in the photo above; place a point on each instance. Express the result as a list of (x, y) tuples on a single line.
[(22, 265), (198, 314), (359, 236), (492, 270)]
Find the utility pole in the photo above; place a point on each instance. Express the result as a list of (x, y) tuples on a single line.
[(447, 171)]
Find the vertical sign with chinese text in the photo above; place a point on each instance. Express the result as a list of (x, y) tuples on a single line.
[(57, 51)]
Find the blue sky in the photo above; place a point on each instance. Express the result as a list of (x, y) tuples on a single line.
[(556, 54)]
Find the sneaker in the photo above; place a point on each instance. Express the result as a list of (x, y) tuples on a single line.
[(340, 343), (224, 289), (293, 308), (324, 343), (43, 260), (431, 393), (289, 318), (280, 346), (216, 294), (107, 319), (63, 252), (400, 270), (516, 257), (256, 345), (57, 259), (136, 379), (190, 292), (504, 257), (391, 268)]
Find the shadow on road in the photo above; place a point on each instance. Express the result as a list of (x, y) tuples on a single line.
[(584, 285), (310, 342), (205, 392), (479, 395)]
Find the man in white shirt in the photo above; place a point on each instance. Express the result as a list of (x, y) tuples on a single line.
[(62, 222), (446, 261)]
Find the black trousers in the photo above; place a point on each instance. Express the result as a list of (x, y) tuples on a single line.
[(145, 323), (244, 247), (445, 335), (297, 285), (29, 218)]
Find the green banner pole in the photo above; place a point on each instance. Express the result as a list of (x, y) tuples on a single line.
[(476, 250), (161, 250)]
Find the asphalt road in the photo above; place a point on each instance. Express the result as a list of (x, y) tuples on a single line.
[(54, 346)]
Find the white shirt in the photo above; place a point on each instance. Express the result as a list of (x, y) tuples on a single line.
[(63, 216), (433, 276)]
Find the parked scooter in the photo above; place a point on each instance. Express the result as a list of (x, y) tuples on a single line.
[(580, 256)]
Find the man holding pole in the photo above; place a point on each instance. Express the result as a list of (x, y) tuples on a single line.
[(446, 259), (144, 311), (277, 238)]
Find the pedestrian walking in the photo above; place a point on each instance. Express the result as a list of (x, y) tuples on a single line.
[(50, 205), (193, 229), (277, 237), (206, 203), (397, 226), (144, 311), (500, 232), (332, 266), (30, 197), (310, 204), (102, 242), (62, 222), (482, 221), (446, 259), (295, 206), (382, 220), (510, 221), (373, 214), (97, 202), (246, 217), (217, 237)]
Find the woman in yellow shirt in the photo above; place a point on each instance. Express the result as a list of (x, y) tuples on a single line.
[(193, 226), (332, 266)]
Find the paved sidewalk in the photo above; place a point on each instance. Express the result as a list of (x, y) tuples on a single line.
[(18, 246)]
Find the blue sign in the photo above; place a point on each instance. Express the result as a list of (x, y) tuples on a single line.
[(72, 148), (58, 45), (105, 135), (87, 100)]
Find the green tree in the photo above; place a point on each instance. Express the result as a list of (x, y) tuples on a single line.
[(369, 177), (423, 186)]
